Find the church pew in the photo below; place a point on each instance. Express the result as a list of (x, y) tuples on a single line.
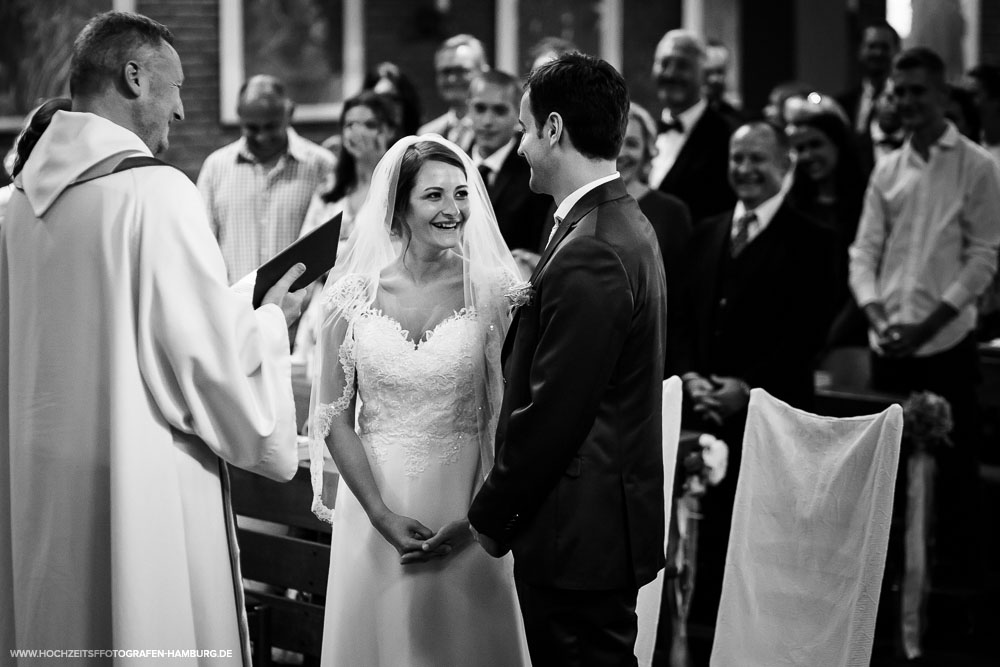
[(292, 554)]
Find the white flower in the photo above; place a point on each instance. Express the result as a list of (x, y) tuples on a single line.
[(715, 455), (520, 294)]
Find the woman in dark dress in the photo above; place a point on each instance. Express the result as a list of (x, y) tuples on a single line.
[(830, 187)]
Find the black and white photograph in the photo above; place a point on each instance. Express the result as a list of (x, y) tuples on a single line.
[(500, 333)]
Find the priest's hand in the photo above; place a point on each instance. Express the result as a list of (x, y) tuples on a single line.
[(289, 302)]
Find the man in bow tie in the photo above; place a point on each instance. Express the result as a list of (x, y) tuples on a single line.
[(756, 301), (693, 140)]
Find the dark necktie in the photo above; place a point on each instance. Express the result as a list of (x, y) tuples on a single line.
[(485, 172), (742, 237), (673, 125)]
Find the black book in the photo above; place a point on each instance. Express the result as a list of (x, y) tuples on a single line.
[(317, 250)]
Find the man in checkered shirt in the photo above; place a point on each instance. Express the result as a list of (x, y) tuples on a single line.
[(257, 189)]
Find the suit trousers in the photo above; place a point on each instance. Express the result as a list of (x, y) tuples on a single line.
[(569, 628)]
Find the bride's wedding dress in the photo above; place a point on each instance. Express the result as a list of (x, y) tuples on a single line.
[(418, 424)]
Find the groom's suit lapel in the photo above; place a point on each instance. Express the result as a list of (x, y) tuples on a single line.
[(601, 194)]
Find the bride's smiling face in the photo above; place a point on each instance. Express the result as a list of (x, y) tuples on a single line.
[(438, 206)]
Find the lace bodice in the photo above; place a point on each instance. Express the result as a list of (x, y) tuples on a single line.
[(416, 396)]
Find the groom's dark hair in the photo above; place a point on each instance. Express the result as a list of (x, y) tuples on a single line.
[(590, 96)]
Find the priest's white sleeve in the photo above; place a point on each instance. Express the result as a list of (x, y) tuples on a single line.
[(215, 367)]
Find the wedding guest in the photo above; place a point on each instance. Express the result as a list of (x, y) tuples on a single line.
[(690, 162), (577, 487), (961, 110), (366, 130), (774, 111), (829, 188), (130, 375), (668, 215), (985, 86), (389, 81), (34, 124), (548, 49), (879, 44), (366, 127), (926, 249), (494, 98), (985, 82), (887, 131), (716, 70), (457, 62), (755, 308), (258, 188)]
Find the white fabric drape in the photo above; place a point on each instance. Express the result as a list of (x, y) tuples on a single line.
[(809, 536), (647, 606)]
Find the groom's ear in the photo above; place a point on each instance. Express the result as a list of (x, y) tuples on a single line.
[(554, 128)]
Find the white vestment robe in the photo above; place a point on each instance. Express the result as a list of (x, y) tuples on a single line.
[(128, 369)]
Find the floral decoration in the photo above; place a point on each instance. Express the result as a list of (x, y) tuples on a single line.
[(520, 294)]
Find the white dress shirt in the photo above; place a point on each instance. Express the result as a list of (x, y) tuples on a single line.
[(929, 233), (567, 204), (669, 144), (764, 214), (494, 162)]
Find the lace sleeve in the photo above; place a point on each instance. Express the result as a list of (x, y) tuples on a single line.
[(334, 381)]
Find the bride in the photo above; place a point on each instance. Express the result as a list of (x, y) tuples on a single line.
[(415, 315)]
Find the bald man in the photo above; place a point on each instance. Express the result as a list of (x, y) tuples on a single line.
[(257, 189), (458, 61), (693, 140)]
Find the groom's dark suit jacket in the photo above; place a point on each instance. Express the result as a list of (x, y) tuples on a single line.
[(577, 488)]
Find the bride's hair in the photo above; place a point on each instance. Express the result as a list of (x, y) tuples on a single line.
[(415, 157)]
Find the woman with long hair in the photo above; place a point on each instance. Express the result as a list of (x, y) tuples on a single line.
[(830, 187)]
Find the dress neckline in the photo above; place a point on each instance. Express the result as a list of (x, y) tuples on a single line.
[(463, 313)]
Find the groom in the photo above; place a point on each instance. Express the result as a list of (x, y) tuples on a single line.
[(577, 488)]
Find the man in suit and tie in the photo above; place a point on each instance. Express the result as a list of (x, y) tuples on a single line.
[(693, 141), (494, 98), (758, 286), (577, 487), (457, 62), (879, 45)]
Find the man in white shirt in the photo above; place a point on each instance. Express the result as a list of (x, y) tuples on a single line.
[(493, 104), (693, 141), (457, 62), (258, 188), (926, 249)]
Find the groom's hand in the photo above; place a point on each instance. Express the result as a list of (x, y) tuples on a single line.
[(489, 545), (449, 539)]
